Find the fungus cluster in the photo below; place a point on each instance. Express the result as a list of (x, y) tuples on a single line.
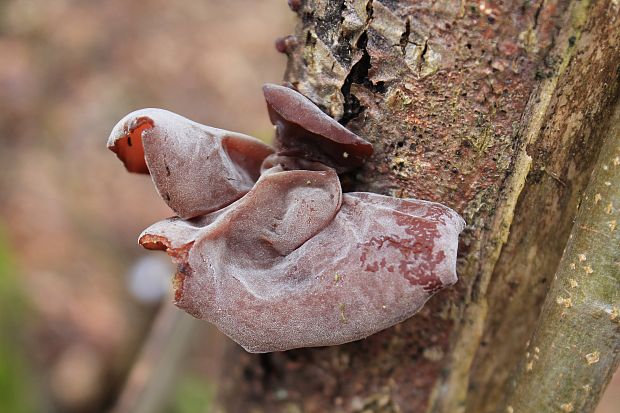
[(268, 247)]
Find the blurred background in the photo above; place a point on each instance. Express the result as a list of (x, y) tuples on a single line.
[(77, 294)]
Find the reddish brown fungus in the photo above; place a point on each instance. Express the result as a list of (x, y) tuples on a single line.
[(154, 243), (281, 295), (280, 44), (197, 169), (285, 44), (295, 5), (261, 236), (304, 131), (128, 146)]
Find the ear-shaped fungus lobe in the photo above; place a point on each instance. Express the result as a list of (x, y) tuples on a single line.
[(251, 236), (279, 214), (284, 274), (303, 130), (196, 169)]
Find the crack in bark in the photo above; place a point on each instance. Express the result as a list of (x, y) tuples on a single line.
[(424, 50), (537, 14), (369, 12), (404, 38), (359, 73)]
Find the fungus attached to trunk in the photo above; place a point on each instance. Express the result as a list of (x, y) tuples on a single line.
[(269, 249), (196, 168), (304, 131)]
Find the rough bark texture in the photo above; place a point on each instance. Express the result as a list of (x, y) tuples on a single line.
[(492, 108)]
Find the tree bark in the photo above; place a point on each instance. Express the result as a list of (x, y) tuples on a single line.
[(496, 109), (576, 346)]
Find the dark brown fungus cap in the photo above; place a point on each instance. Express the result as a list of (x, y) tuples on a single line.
[(196, 169), (303, 130)]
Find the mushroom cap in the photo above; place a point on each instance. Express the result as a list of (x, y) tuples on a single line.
[(303, 130), (196, 169)]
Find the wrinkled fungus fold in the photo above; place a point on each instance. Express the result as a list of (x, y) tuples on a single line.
[(304, 131), (268, 248)]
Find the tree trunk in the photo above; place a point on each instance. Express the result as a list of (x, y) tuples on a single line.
[(496, 109), (576, 347)]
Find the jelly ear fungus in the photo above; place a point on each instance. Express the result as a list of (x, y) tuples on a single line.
[(304, 131), (269, 249), (196, 169)]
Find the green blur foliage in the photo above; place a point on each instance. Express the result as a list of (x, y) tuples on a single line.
[(16, 395), (192, 395)]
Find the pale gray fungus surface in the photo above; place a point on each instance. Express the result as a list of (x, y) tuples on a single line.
[(268, 247)]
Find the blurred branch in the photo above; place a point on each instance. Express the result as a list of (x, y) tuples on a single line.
[(153, 375), (576, 346)]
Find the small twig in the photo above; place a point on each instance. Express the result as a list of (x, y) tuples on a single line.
[(151, 378)]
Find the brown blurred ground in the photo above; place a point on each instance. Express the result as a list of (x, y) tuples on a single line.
[(69, 70), (69, 213)]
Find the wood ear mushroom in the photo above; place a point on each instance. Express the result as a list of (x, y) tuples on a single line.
[(268, 247)]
